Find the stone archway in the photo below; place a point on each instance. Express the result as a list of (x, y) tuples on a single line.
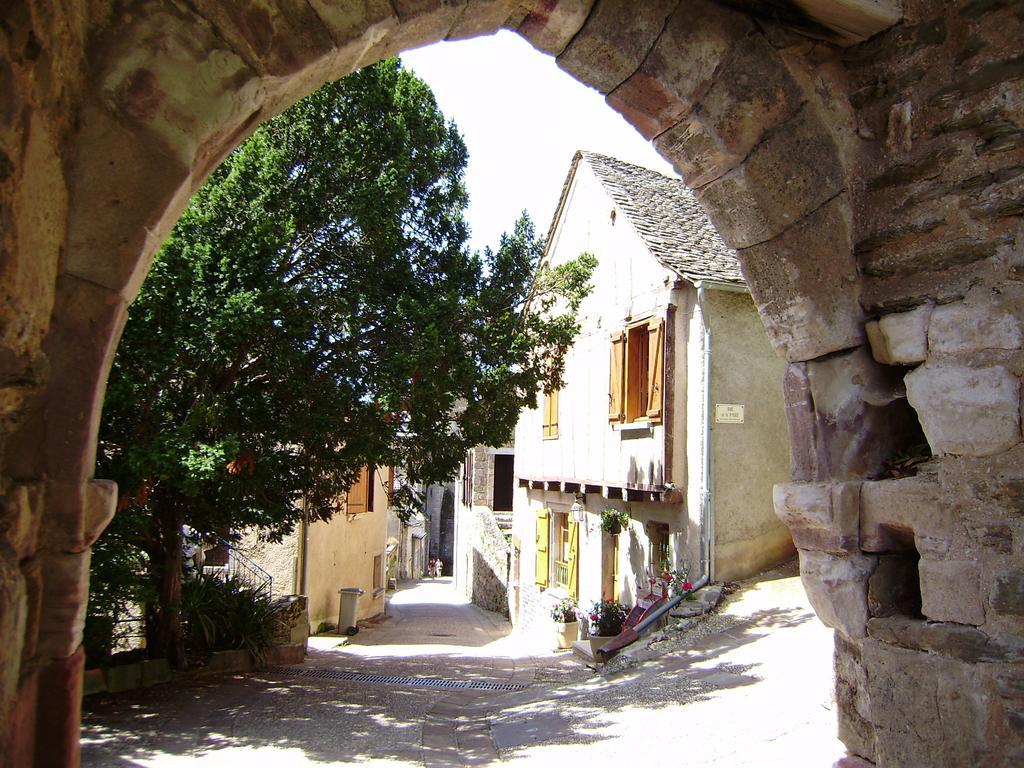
[(861, 181)]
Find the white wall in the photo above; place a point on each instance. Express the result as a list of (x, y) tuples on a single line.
[(629, 285)]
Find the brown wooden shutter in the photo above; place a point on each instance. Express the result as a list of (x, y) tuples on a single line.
[(573, 562), (617, 379), (541, 548), (357, 499), (655, 368)]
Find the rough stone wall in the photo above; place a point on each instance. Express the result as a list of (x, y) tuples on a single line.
[(857, 184), (487, 558), (481, 551), (921, 575), (279, 559)]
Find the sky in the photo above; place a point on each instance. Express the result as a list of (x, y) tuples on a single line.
[(522, 118)]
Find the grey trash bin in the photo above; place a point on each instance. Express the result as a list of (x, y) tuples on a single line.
[(347, 611)]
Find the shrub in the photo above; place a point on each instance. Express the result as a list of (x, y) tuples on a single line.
[(606, 618), (226, 615)]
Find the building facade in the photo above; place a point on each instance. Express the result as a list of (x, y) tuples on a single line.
[(671, 411), (349, 550)]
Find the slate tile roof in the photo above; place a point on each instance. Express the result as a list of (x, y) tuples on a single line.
[(668, 218)]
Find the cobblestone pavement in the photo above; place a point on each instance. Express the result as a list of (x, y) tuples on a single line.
[(751, 686)]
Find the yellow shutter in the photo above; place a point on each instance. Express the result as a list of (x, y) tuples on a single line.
[(574, 551), (655, 368), (551, 414), (616, 379), (358, 495), (541, 548)]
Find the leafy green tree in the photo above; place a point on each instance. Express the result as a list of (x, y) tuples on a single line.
[(316, 310)]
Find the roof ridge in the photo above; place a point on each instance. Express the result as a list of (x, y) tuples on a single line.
[(668, 218)]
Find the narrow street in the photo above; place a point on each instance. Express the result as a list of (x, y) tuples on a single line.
[(752, 686)]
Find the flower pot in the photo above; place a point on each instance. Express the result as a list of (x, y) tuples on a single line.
[(598, 641), (615, 528), (565, 633)]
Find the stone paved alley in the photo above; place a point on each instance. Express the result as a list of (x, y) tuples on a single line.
[(751, 686)]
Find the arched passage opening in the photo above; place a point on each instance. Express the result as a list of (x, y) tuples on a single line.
[(859, 184)]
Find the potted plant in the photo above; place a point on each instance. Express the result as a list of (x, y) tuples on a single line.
[(567, 625), (612, 520), (678, 583), (606, 620)]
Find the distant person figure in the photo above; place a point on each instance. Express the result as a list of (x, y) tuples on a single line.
[(438, 565), (430, 567)]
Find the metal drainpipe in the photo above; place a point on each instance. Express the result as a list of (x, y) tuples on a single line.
[(303, 548), (708, 509)]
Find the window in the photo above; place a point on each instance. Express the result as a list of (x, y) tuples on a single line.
[(359, 497), (660, 558), (550, 414), (378, 571), (565, 546), (637, 372), (467, 479), (504, 481)]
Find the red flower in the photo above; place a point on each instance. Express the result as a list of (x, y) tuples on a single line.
[(687, 586)]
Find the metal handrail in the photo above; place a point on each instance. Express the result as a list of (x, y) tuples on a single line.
[(246, 570)]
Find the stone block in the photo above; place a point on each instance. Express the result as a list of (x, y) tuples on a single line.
[(966, 411), (789, 175), (59, 712), (980, 322), (667, 86), (550, 27), (968, 644), (292, 653), (614, 41), (900, 338), (837, 588), (852, 705), (804, 282), (860, 418), (1007, 595), (65, 592), (22, 512), (123, 677), (77, 513), (485, 17), (155, 671), (752, 93), (821, 516), (802, 426), (904, 513), (951, 591), (87, 325), (93, 682), (276, 38), (927, 710)]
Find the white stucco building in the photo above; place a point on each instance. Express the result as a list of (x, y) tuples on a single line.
[(669, 339)]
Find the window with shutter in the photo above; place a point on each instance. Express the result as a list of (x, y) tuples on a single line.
[(359, 497), (617, 379), (573, 580), (551, 414), (637, 373), (541, 548), (655, 368)]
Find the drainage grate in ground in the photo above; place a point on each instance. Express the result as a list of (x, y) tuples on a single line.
[(415, 682)]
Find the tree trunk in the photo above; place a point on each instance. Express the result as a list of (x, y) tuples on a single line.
[(163, 631)]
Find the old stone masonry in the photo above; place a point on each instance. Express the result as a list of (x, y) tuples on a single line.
[(865, 158)]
